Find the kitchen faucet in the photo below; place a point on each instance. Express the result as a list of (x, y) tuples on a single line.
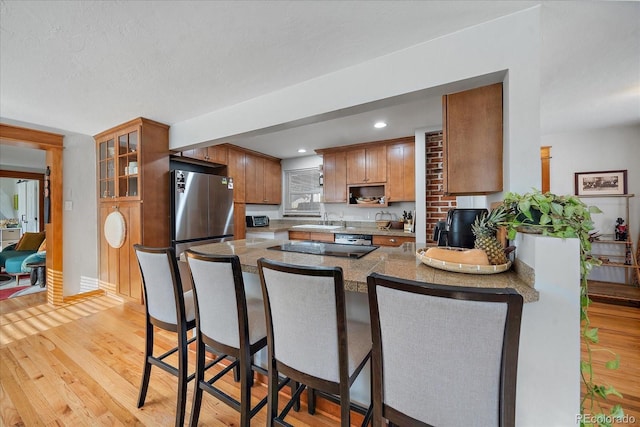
[(326, 218)]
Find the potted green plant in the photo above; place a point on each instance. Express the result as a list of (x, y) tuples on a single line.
[(568, 217)]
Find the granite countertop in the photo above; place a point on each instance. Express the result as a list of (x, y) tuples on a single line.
[(393, 261)]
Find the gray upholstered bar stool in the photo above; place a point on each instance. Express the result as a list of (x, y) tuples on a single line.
[(443, 355), (310, 339), (168, 307), (228, 323)]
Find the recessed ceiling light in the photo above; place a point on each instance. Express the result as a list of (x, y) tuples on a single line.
[(301, 150), (380, 125)]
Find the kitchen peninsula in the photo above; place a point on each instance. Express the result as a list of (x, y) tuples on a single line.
[(393, 261), (549, 347)]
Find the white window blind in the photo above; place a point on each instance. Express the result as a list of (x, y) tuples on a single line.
[(302, 192)]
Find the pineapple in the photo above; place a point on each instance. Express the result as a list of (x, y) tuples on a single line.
[(484, 229)]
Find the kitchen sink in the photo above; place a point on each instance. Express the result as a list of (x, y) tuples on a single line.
[(318, 226)]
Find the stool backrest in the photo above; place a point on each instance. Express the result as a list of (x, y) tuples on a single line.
[(163, 294), (219, 289), (306, 317), (444, 355)]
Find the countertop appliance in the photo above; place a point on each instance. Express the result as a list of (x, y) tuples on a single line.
[(326, 249), (353, 239), (257, 220), (201, 209)]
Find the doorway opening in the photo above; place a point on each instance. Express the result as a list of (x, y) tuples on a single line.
[(52, 145)]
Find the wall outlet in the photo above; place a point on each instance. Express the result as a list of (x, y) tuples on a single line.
[(68, 205)]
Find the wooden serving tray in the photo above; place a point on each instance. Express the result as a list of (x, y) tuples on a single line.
[(461, 268)]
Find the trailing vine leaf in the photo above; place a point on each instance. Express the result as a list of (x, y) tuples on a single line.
[(591, 334), (613, 364), (617, 411), (568, 217)]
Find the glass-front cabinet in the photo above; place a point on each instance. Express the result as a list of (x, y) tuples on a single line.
[(118, 165), (132, 161), (106, 168), (128, 164)]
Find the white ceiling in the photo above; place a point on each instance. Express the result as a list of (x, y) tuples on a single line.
[(86, 66)]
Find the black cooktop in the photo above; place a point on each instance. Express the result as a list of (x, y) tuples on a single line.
[(323, 248)]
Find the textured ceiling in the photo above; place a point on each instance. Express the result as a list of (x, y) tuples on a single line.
[(85, 66)]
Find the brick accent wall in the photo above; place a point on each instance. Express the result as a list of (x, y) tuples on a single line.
[(438, 204)]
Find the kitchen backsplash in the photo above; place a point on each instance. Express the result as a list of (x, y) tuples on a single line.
[(337, 212)]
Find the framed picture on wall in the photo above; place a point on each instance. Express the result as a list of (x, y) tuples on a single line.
[(603, 183)]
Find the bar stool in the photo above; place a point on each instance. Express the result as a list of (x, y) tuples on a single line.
[(443, 355), (231, 324), (309, 338), (167, 307)]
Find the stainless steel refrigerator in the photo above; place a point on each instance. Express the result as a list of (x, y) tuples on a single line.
[(201, 209)]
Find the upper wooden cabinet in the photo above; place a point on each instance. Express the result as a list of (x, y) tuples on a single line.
[(401, 171), (381, 168), (367, 165), (131, 158), (133, 179), (257, 178), (196, 153), (263, 180), (214, 154), (472, 141), (272, 182), (334, 169), (235, 169), (217, 154)]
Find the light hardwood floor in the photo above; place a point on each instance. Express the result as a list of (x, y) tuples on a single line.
[(618, 331), (80, 364)]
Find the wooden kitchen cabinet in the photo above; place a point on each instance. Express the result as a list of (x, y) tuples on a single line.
[(119, 163), (392, 240), (118, 267), (272, 182), (217, 154), (214, 154), (141, 195), (401, 180), (472, 141), (235, 169), (196, 153), (334, 169), (239, 222), (375, 169), (367, 165), (311, 235), (263, 180)]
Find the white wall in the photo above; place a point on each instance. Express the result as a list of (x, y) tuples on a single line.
[(21, 159), (548, 388), (80, 221), (510, 43), (616, 148)]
